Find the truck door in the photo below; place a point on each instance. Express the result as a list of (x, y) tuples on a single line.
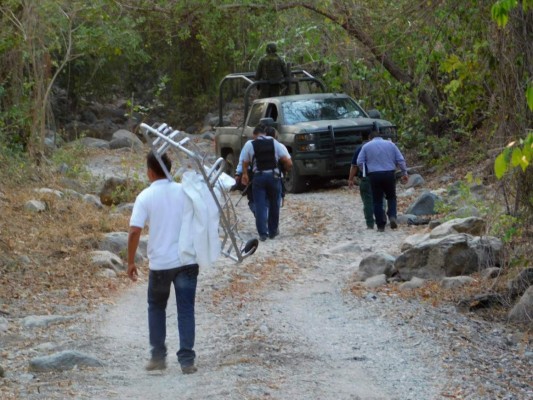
[(254, 116)]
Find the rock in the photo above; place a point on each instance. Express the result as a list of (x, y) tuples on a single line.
[(40, 321), (127, 138), (125, 208), (107, 273), (406, 193), (4, 324), (106, 259), (522, 312), (208, 136), (491, 273), (413, 240), (35, 206), (123, 143), (70, 193), (437, 258), (414, 181), (434, 223), (414, 283), (91, 142), (24, 259), (456, 281), (92, 199), (375, 281), (489, 250), (376, 264), (63, 361), (117, 243), (466, 211), (471, 225), (342, 248), (54, 192), (521, 282), (424, 205)]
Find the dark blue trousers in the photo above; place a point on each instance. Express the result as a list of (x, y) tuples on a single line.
[(184, 280), (383, 183)]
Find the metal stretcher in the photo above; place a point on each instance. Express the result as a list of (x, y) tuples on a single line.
[(163, 138)]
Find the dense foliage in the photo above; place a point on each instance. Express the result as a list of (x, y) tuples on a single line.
[(450, 73)]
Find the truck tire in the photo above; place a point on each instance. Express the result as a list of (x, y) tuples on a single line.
[(293, 181), (230, 164)]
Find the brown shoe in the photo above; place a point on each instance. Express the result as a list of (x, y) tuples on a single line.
[(189, 369), (156, 364)]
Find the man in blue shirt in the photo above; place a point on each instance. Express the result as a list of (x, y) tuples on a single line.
[(381, 157)]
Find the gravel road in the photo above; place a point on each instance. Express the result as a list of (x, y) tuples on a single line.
[(285, 325)]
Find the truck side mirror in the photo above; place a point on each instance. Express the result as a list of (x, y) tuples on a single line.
[(374, 114)]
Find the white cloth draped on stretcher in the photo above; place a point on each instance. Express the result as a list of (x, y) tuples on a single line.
[(199, 239)]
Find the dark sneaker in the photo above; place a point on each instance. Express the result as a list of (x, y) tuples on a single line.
[(156, 364), (382, 229), (370, 227), (189, 369), (274, 235), (393, 223), (262, 238)]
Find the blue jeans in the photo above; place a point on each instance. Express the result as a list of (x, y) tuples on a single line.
[(383, 183), (266, 190), (159, 282)]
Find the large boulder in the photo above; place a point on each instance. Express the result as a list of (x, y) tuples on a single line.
[(471, 225), (452, 255), (125, 139)]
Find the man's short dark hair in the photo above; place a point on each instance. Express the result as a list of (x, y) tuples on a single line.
[(260, 129), (271, 131), (153, 164)]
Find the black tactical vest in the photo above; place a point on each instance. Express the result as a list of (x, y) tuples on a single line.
[(265, 154)]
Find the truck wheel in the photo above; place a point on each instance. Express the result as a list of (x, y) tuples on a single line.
[(294, 183), (230, 164)]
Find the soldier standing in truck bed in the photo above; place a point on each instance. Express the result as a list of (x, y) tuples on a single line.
[(271, 68)]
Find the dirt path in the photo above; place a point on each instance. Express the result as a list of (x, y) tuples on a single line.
[(281, 325)]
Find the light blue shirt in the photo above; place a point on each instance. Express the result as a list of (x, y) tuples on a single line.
[(381, 155), (247, 152)]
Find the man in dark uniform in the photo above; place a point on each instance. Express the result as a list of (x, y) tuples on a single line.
[(358, 178), (271, 68)]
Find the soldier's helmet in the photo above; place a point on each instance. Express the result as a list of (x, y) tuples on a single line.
[(271, 48)]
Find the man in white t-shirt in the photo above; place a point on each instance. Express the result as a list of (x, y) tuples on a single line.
[(161, 207)]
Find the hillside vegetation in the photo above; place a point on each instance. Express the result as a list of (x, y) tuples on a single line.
[(454, 75)]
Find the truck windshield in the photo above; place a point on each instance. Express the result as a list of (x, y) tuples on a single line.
[(320, 110)]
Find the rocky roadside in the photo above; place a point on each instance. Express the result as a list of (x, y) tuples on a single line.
[(291, 322)]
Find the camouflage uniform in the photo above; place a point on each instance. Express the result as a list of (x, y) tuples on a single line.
[(273, 69)]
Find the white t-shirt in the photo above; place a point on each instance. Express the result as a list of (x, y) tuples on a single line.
[(161, 207)]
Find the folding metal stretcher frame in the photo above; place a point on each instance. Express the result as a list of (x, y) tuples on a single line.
[(163, 138)]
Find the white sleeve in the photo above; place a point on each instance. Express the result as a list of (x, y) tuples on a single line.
[(139, 214)]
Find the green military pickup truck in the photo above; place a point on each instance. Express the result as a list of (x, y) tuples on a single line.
[(320, 130)]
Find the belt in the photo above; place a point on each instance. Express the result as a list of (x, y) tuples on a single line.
[(268, 171)]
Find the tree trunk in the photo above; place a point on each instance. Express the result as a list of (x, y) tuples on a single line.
[(350, 26)]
